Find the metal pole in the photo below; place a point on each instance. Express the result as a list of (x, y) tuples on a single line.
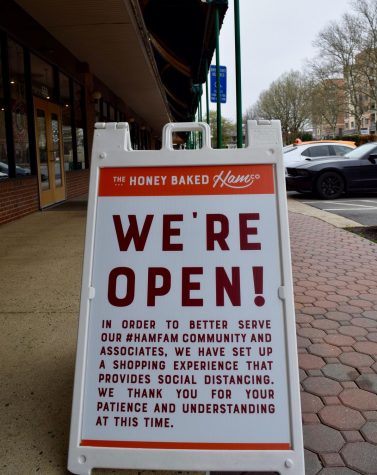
[(237, 43), (207, 96), (200, 108), (217, 31), (200, 117)]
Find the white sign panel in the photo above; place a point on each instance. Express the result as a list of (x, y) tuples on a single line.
[(185, 357)]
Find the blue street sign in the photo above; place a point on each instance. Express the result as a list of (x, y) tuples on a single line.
[(222, 84)]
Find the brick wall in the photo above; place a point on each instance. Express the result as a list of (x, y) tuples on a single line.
[(77, 183), (18, 197)]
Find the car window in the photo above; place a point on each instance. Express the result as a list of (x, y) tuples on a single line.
[(359, 152), (341, 150), (289, 148), (319, 151)]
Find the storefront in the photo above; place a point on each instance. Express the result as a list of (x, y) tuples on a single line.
[(58, 79)]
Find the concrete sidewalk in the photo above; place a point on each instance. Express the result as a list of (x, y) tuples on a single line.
[(336, 305)]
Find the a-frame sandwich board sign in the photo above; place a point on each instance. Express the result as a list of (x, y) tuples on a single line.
[(186, 356)]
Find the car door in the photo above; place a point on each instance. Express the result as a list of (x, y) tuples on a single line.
[(367, 175), (360, 170)]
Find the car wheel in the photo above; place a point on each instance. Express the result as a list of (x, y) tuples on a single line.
[(329, 186)]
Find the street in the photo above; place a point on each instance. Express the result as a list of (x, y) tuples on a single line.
[(359, 208)]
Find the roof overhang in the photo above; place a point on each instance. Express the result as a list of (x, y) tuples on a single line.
[(182, 35), (148, 52)]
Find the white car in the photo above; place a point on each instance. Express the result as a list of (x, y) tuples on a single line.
[(296, 153)]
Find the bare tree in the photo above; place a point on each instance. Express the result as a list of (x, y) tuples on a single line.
[(287, 100), (367, 13), (327, 98), (340, 45), (228, 128), (343, 77), (251, 113)]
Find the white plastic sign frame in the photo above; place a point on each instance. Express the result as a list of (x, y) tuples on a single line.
[(187, 356)]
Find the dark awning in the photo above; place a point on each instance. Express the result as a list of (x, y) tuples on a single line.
[(182, 35)]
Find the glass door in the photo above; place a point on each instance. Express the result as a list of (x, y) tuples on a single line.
[(49, 152)]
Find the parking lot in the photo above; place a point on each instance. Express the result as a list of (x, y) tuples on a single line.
[(362, 209)]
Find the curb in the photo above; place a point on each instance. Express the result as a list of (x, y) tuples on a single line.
[(338, 221)]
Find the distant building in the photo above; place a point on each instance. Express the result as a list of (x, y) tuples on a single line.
[(361, 115)]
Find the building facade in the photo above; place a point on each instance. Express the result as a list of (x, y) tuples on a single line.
[(65, 65)]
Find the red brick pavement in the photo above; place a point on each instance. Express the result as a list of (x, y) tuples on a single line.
[(335, 286)]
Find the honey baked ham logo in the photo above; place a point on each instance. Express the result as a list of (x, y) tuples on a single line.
[(187, 180), (231, 180)]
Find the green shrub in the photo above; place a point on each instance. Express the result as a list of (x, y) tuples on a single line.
[(353, 138)]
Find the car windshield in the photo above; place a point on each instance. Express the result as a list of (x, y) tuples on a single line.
[(361, 151), (289, 148)]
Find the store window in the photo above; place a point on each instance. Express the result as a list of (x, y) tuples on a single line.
[(105, 110), (135, 137), (111, 113), (42, 79), (66, 104), (97, 110), (79, 123), (19, 110), (3, 137)]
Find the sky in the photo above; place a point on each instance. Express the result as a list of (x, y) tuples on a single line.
[(276, 37)]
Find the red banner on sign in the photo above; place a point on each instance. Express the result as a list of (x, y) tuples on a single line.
[(185, 445), (191, 180)]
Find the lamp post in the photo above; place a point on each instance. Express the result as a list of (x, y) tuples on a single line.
[(207, 94), (218, 103), (237, 43)]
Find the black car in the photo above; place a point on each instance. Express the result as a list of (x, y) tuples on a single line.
[(330, 177)]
